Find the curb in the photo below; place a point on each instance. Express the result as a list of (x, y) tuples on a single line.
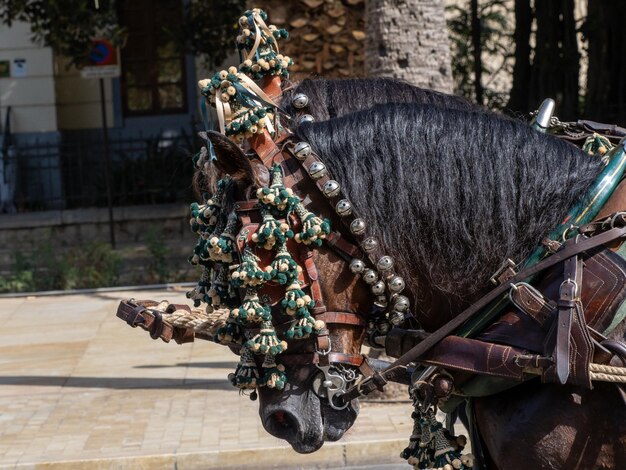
[(332, 455), (50, 293)]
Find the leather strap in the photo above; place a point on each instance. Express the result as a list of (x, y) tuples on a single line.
[(317, 358), (139, 313), (569, 301), (374, 381), (341, 318), (313, 275), (338, 243), (532, 303)]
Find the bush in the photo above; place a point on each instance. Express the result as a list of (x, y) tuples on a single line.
[(90, 266)]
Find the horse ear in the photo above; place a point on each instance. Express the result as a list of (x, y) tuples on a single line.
[(230, 159)]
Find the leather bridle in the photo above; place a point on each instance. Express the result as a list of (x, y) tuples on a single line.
[(318, 350)]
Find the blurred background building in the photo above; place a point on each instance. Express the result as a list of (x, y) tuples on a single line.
[(506, 55)]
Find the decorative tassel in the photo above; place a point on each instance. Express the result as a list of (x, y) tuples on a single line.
[(220, 295), (230, 333), (248, 273), (277, 196), (203, 248), (247, 374), (314, 229), (271, 231), (296, 301), (221, 248), (264, 58), (304, 327), (284, 269), (597, 145), (273, 374), (199, 293), (252, 310), (266, 341), (431, 446), (204, 217)]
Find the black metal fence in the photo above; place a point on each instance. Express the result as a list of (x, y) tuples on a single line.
[(70, 173)]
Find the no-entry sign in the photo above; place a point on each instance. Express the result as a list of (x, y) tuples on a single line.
[(103, 59)]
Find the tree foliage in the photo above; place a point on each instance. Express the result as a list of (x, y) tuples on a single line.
[(495, 40), (67, 26), (209, 28)]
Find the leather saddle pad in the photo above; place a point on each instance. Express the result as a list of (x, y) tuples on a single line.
[(603, 291)]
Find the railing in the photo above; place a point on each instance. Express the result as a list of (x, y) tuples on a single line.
[(70, 172)]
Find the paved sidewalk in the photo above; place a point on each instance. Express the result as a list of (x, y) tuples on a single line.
[(80, 389)]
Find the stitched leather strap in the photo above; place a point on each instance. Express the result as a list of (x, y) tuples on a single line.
[(569, 300)]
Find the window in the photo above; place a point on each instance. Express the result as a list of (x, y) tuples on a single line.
[(153, 69)]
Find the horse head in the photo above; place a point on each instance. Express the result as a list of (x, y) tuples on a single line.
[(408, 173), (305, 412)]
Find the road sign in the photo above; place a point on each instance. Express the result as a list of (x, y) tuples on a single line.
[(103, 59)]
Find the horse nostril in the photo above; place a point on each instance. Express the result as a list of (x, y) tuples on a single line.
[(281, 424)]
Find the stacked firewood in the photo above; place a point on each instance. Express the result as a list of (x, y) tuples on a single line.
[(326, 36)]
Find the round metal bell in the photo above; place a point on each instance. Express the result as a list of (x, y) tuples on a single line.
[(343, 207), (302, 150), (317, 170), (370, 276), (378, 288), (305, 118), (385, 263), (300, 100), (331, 188), (357, 266), (396, 318), (396, 284), (357, 226), (401, 303), (369, 244), (382, 300)]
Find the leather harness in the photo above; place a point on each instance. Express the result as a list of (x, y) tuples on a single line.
[(320, 349)]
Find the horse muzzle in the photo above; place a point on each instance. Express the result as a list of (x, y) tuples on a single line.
[(302, 418)]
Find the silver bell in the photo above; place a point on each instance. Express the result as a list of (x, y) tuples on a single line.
[(369, 244), (317, 170), (382, 301), (370, 276), (396, 318), (385, 263), (331, 188), (343, 207), (302, 150), (305, 118), (396, 284), (300, 100), (357, 266), (401, 303), (378, 288), (357, 226)]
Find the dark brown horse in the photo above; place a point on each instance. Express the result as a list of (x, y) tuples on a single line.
[(450, 193)]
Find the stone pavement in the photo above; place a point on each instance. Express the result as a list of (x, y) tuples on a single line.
[(80, 389)]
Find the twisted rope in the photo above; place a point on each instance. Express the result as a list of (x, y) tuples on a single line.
[(604, 373), (202, 323)]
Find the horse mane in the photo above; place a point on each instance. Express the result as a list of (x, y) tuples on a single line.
[(451, 193), (330, 98)]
